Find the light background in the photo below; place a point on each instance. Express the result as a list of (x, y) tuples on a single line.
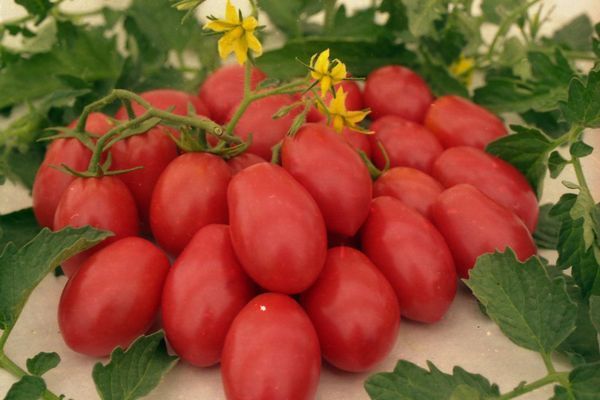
[(464, 337)]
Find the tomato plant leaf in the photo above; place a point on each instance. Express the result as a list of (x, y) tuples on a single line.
[(422, 14), (465, 392), (530, 307), (556, 164), (360, 24), (546, 232), (595, 312), (133, 373), (527, 150), (582, 107), (411, 382), (288, 16), (585, 381), (42, 363), (39, 8), (495, 10), (27, 388), (21, 269), (18, 227), (580, 149), (575, 34)]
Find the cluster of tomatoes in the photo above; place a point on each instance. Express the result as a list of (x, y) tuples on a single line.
[(276, 266)]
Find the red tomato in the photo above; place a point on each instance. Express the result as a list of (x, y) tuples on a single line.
[(164, 99), (205, 290), (271, 352), (49, 183), (189, 194), (277, 230), (496, 178), (458, 122), (153, 151), (113, 298), (354, 310), (386, 120), (412, 187), (333, 173), (103, 203), (396, 90), (354, 101), (224, 89), (407, 145), (243, 161), (474, 224), (359, 141), (258, 121), (414, 258)]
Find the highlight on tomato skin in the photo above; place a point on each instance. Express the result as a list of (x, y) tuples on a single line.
[(354, 310), (473, 224), (271, 352)]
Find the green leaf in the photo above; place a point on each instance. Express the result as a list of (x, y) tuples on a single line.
[(495, 10), (527, 150), (531, 308), (582, 107), (464, 392), (360, 56), (359, 25), (411, 382), (556, 164), (422, 14), (28, 388), (551, 122), (22, 269), (38, 8), (595, 312), (441, 81), (575, 34), (288, 15), (18, 227), (133, 373), (548, 227), (596, 41), (42, 363), (580, 149), (585, 381)]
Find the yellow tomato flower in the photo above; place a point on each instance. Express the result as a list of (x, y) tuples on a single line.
[(463, 69), (238, 34), (326, 72), (340, 117)]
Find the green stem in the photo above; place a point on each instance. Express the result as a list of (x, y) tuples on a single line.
[(549, 364), (579, 174), (506, 24), (557, 377)]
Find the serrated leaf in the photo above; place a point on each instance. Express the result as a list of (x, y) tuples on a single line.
[(21, 270), (411, 382), (42, 363), (580, 149), (18, 227), (530, 307), (527, 150), (556, 164), (422, 14), (28, 388), (582, 107), (575, 34), (551, 122), (133, 373), (595, 312), (585, 381), (547, 229)]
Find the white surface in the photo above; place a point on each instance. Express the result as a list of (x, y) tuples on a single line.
[(465, 337)]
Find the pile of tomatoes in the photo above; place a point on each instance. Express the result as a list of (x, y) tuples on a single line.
[(278, 266)]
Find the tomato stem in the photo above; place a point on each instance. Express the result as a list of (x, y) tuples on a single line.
[(556, 377)]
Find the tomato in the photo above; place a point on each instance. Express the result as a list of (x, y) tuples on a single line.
[(103, 203), (224, 89), (386, 120), (458, 122), (474, 224), (49, 183), (164, 99), (354, 310), (205, 290), (407, 144), (414, 258), (189, 194), (243, 161), (359, 141), (412, 187), (153, 151), (354, 101), (396, 90), (333, 173), (258, 121), (113, 298), (277, 230), (271, 352), (496, 178)]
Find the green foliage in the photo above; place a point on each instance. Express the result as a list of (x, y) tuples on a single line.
[(289, 16), (38, 8), (18, 227), (595, 312), (411, 382), (133, 373), (22, 269), (27, 388), (575, 34), (42, 363), (546, 232), (583, 107)]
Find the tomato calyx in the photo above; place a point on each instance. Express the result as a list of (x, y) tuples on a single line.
[(193, 140), (373, 170)]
